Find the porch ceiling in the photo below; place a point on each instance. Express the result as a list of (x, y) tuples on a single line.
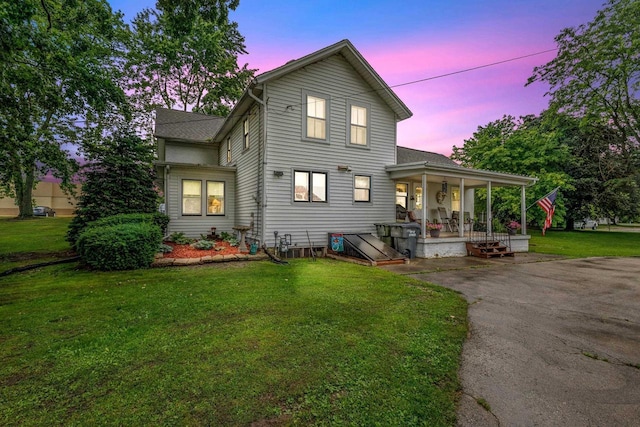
[(452, 174)]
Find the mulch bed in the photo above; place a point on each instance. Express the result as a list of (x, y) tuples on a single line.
[(186, 251)]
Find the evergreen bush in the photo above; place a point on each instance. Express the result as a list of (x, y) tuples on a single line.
[(123, 246)]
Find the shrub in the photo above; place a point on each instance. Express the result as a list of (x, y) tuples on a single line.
[(203, 244), (157, 218), (179, 238), (165, 249), (123, 246)]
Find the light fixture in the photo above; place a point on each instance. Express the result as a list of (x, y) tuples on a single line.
[(344, 168), (444, 186)]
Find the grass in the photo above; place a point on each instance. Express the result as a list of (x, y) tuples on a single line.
[(39, 239), (309, 343), (581, 244)]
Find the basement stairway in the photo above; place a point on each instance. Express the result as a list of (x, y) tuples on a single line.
[(488, 249)]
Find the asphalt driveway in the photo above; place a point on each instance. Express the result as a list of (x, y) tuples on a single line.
[(552, 341)]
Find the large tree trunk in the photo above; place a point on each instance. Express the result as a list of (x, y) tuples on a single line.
[(24, 193)]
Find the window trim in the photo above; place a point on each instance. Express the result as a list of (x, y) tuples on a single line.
[(182, 197), (310, 174), (224, 197), (366, 106), (245, 134), (361, 188), (327, 117)]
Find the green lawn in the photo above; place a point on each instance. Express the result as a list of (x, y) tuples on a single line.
[(24, 242), (309, 343), (580, 244)]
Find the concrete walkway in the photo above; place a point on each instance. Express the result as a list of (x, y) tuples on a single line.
[(553, 342)]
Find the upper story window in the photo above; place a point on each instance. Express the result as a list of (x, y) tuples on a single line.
[(315, 124), (191, 197), (358, 124), (361, 188), (228, 150), (245, 134), (310, 186)]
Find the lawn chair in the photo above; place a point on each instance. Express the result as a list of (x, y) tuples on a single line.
[(450, 223)]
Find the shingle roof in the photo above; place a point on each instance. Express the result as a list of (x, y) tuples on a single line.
[(410, 155), (186, 126)]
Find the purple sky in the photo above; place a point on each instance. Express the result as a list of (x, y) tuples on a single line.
[(418, 39)]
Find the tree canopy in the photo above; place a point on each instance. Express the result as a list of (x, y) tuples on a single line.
[(185, 55), (58, 75), (530, 146), (596, 77)]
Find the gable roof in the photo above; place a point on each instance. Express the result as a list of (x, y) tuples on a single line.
[(186, 126), (353, 57), (356, 60), (411, 155)]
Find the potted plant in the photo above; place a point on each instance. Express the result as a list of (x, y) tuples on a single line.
[(512, 228), (434, 229)]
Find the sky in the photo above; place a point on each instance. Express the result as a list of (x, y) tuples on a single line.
[(420, 39)]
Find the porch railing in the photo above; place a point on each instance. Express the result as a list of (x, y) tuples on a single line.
[(478, 233)]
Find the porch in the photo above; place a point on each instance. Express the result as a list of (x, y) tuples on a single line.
[(452, 245), (443, 192)]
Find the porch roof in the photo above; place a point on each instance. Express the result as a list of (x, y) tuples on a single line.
[(438, 172)]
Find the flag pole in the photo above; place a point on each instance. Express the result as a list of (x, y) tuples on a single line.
[(534, 203)]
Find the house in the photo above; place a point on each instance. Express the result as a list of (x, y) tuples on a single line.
[(309, 149)]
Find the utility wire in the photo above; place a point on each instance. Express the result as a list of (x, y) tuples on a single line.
[(474, 68), (466, 70)]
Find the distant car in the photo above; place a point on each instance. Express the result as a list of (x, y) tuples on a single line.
[(589, 223), (43, 211)]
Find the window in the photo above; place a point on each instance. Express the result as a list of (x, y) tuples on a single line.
[(228, 150), (362, 188), (215, 198), (191, 197), (316, 113), (401, 194), (358, 125), (455, 199), (245, 133), (418, 197), (310, 183)]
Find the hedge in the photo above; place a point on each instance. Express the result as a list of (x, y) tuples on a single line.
[(123, 246), (157, 218)]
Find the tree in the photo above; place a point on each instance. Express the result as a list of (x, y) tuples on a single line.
[(118, 179), (527, 146), (596, 78), (185, 55), (58, 77)]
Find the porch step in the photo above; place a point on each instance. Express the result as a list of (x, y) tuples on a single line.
[(489, 249)]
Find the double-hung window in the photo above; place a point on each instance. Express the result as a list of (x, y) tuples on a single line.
[(215, 198), (191, 197), (310, 186), (228, 150), (358, 124), (245, 134), (316, 113), (361, 188)]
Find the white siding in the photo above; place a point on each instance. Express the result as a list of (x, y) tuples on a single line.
[(287, 151), (176, 152), (247, 177), (194, 226)]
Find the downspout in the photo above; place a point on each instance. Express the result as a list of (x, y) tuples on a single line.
[(262, 152)]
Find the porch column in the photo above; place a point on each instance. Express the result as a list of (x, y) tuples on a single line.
[(489, 215), (461, 212), (423, 223), (523, 211)]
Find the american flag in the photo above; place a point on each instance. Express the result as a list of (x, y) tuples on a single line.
[(548, 204)]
